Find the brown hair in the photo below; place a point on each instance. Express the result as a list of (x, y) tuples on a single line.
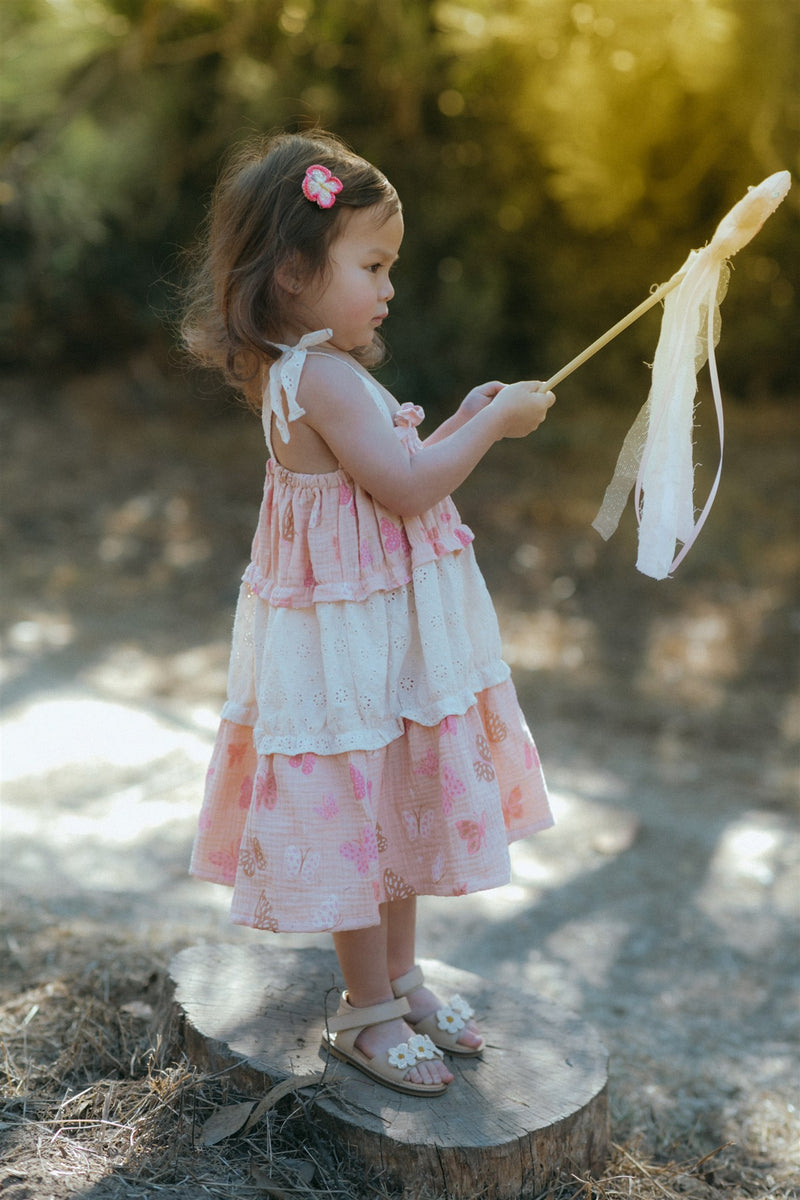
[(260, 221)]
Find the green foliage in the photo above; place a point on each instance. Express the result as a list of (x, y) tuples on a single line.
[(555, 159)]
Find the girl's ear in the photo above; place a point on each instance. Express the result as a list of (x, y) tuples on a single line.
[(290, 275)]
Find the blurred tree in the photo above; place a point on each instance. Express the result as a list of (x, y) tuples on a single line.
[(555, 159)]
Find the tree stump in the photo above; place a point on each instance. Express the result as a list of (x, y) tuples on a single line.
[(533, 1106)]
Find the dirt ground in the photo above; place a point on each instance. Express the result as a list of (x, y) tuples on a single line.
[(663, 906)]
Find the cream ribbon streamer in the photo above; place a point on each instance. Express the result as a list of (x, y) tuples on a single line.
[(284, 380), (656, 458)]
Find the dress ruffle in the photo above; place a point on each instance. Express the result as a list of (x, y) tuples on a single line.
[(345, 676), (322, 538), (319, 842)]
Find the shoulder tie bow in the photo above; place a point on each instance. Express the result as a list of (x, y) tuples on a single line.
[(284, 380)]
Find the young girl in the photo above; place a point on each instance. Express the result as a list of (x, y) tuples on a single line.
[(371, 748)]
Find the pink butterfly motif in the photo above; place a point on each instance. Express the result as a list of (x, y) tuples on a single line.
[(266, 790), (361, 788), (473, 833), (531, 756), (304, 761), (346, 496), (246, 792), (463, 534), (394, 537), (419, 823), (512, 806), (452, 788), (227, 859), (362, 852), (328, 809), (236, 754), (365, 554), (427, 765)]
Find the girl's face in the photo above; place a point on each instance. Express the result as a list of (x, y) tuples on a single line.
[(353, 297)]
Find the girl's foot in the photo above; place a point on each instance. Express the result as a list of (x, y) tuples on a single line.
[(449, 1025), (425, 1003), (376, 1040)]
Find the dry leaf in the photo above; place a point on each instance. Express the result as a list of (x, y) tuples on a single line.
[(292, 1084), (225, 1122)]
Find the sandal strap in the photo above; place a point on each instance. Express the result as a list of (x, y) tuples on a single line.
[(409, 982), (349, 1017)]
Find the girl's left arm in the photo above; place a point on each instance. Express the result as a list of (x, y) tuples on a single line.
[(472, 403)]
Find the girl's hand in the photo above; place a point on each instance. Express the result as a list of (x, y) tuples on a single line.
[(479, 398), (521, 407)]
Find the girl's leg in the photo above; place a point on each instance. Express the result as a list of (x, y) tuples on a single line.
[(363, 957), (401, 920)]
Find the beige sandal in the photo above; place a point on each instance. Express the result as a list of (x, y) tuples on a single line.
[(343, 1029), (444, 1025)]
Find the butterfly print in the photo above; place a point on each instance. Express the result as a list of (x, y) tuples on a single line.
[(236, 754), (496, 728), (394, 537), (531, 756), (346, 496), (428, 764), (396, 887), (362, 852), (483, 767), (362, 790), (365, 555), (452, 788), (463, 534), (287, 524), (381, 839), (263, 918), (328, 809), (512, 806), (302, 864), (266, 790), (245, 792), (419, 823), (226, 859), (327, 914), (251, 857), (473, 833), (304, 761)]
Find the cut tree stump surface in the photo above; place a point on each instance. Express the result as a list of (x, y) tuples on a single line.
[(531, 1107)]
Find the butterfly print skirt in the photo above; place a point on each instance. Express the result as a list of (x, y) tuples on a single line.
[(318, 842)]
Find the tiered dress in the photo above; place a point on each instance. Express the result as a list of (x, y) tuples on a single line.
[(371, 747)]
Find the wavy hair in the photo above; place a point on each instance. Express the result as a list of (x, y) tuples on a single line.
[(259, 222)]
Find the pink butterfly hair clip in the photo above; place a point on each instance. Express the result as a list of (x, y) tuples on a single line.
[(320, 186)]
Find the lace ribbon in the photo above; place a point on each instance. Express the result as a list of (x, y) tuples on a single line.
[(656, 457), (284, 380)]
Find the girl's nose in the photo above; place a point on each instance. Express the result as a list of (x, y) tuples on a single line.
[(387, 291)]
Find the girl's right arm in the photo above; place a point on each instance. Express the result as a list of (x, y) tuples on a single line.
[(365, 445)]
